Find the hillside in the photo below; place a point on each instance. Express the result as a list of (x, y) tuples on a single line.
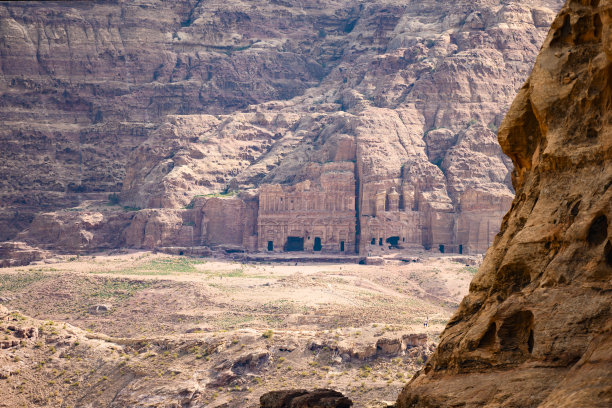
[(391, 104)]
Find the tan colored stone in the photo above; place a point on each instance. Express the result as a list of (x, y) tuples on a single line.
[(170, 101), (535, 328)]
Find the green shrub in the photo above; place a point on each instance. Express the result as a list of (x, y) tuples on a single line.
[(113, 198)]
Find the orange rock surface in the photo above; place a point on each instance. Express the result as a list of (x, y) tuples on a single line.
[(535, 329)]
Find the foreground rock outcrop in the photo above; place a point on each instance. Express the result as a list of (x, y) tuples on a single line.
[(535, 329), (305, 399), (396, 101)]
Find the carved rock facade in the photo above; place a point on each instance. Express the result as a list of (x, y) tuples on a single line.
[(168, 103)]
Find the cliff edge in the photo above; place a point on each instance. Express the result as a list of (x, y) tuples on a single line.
[(535, 329)]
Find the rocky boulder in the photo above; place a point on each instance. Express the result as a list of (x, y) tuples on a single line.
[(305, 399), (17, 253)]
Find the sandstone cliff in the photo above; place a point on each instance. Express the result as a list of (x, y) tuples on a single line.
[(169, 101), (535, 329)]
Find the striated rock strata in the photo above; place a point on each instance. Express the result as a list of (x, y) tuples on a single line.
[(169, 101), (535, 329)]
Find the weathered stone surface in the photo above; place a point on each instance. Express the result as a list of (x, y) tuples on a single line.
[(83, 86), (100, 309), (414, 340), (167, 101), (78, 231), (17, 253), (251, 361), (535, 329), (305, 399)]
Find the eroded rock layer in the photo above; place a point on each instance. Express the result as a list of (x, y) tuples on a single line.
[(169, 101), (535, 329)]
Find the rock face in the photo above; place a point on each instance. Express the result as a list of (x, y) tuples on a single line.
[(535, 329), (17, 253), (396, 102)]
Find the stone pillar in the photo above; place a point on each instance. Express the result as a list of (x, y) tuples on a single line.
[(393, 200), (379, 206)]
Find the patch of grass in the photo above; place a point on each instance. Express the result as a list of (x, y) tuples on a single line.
[(236, 273), (231, 322), (120, 289), (163, 266), (231, 193), (471, 269), (18, 281)]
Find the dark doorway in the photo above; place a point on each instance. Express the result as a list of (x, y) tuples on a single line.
[(460, 249), (294, 244), (380, 241), (270, 245), (341, 246), (317, 244), (441, 249), (393, 242), (373, 241)]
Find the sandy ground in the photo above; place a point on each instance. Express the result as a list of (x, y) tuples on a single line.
[(299, 315)]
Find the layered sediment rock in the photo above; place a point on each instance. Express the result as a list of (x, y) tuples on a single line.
[(535, 329), (171, 101), (414, 123)]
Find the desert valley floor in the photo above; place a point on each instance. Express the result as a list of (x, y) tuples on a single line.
[(117, 329)]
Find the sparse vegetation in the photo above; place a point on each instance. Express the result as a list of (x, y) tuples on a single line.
[(162, 266), (177, 303), (471, 269), (228, 193), (113, 199), (17, 281), (119, 289)]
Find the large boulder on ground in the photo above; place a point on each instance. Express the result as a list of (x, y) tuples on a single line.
[(305, 399)]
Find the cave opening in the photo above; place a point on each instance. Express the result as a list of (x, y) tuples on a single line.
[(270, 245), (393, 242), (294, 244), (317, 244)]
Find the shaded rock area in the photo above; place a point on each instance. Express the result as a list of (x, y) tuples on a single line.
[(364, 350), (535, 329), (172, 107), (305, 399)]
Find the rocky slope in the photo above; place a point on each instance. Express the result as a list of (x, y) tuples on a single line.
[(82, 85), (535, 329), (410, 92)]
